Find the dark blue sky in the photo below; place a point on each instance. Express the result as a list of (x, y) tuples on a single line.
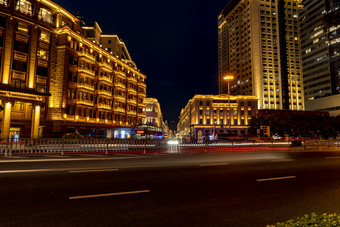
[(174, 43)]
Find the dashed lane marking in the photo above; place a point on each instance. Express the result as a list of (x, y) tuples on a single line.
[(109, 194), (276, 178), (92, 170), (215, 164)]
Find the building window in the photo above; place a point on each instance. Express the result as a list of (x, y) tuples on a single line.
[(19, 66), (42, 54), (4, 2), (201, 121), (208, 121), (109, 41), (45, 36), (24, 6), (41, 88), (22, 28), (18, 83), (45, 15), (42, 71)]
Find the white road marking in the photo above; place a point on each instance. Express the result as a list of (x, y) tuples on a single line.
[(62, 159), (332, 157), (109, 194), (215, 164), (276, 178), (92, 170), (283, 160), (29, 170), (52, 170)]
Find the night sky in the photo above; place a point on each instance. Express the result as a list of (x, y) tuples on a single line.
[(174, 43)]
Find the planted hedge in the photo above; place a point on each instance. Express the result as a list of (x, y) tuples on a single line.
[(312, 220)]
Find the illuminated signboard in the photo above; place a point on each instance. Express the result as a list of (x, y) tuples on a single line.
[(140, 132)]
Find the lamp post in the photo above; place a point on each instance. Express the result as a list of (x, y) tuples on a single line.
[(229, 78)]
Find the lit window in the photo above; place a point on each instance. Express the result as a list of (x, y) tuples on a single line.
[(45, 15), (42, 54), (24, 6), (4, 2), (308, 50), (44, 36), (315, 41), (22, 28)]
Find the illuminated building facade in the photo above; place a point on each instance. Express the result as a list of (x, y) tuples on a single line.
[(258, 43), (153, 114), (320, 46), (54, 79), (207, 115)]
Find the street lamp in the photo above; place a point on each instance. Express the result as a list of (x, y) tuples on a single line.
[(229, 78)]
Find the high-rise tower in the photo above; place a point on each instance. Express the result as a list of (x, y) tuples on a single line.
[(320, 44), (258, 42)]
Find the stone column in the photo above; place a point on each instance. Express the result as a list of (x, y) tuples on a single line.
[(6, 119), (35, 121), (7, 51), (33, 56)]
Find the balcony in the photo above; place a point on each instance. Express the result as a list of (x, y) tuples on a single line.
[(84, 102), (119, 109), (142, 104), (85, 86), (141, 94), (132, 79), (86, 71), (105, 78), (130, 112), (87, 55), (121, 85), (105, 65), (104, 106), (141, 84), (132, 90), (21, 38), (104, 92), (17, 75), (141, 114), (133, 101), (120, 98), (20, 56), (119, 73)]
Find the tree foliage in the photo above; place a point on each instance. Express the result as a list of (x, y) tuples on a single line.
[(297, 124)]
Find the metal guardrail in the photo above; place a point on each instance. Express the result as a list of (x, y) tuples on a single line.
[(12, 146)]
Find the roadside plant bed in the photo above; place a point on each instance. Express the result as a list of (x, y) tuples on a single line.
[(312, 220)]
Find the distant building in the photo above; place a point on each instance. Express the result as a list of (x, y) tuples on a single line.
[(56, 77), (208, 115), (320, 46), (110, 43), (258, 43), (153, 115)]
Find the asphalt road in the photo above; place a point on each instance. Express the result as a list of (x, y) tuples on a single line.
[(198, 189)]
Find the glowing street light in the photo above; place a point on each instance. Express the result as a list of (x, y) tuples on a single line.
[(229, 78)]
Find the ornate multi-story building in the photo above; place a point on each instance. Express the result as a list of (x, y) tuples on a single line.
[(54, 79), (320, 45), (153, 115), (208, 115), (258, 43)]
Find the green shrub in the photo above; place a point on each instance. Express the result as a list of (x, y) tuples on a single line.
[(312, 220)]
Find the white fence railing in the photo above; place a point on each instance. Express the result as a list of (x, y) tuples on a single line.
[(14, 146)]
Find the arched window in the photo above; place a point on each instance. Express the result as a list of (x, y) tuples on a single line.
[(24, 6)]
